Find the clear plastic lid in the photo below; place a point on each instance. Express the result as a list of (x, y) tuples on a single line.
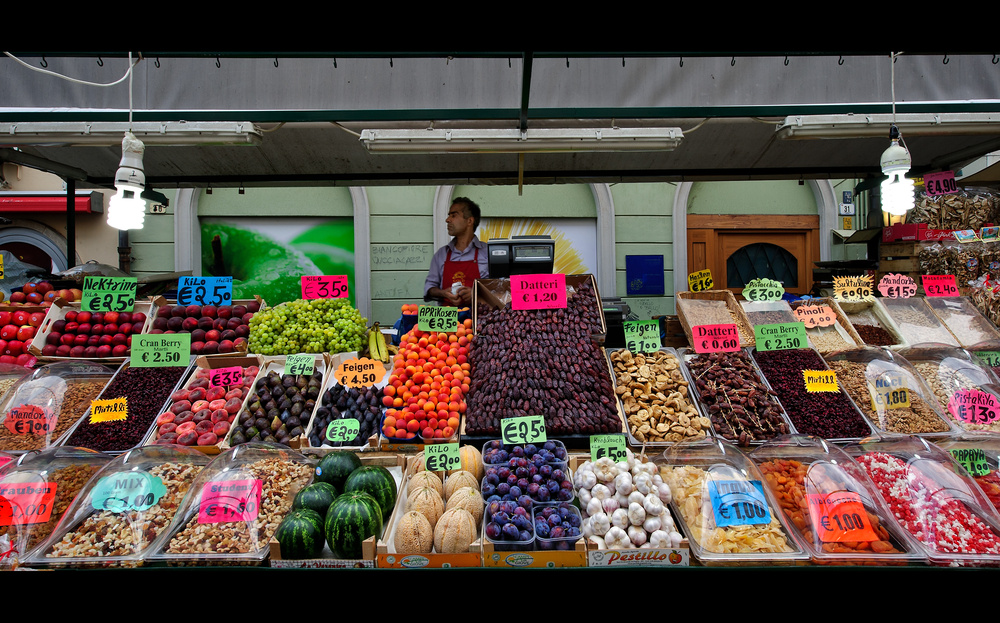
[(123, 509), (768, 312), (36, 491), (890, 392), (234, 506), (951, 373), (831, 504), (872, 323), (965, 321), (916, 322), (723, 506), (934, 499), (43, 408), (979, 454), (11, 375)]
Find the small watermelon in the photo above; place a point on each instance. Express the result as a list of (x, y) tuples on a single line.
[(336, 467), (352, 518), (318, 497), (377, 482), (300, 535)]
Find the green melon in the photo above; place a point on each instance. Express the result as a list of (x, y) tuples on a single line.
[(300, 535), (352, 518), (318, 497), (335, 467), (377, 482)]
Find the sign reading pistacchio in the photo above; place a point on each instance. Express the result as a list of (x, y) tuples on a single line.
[(360, 372)]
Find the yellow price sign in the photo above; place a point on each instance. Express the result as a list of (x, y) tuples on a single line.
[(889, 392), (700, 281), (820, 381), (853, 288), (108, 410)]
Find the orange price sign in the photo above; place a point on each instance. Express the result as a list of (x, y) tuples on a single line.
[(26, 419), (815, 315), (840, 516), (360, 372)]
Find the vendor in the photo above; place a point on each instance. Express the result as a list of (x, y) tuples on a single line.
[(463, 260)]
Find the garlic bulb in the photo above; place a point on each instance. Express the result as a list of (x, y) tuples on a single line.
[(587, 479), (594, 507), (663, 492), (623, 482), (617, 538), (636, 514), (599, 542), (610, 505), (652, 524), (601, 523), (659, 539), (636, 497), (637, 535), (620, 518), (652, 504), (643, 483), (600, 492), (605, 469), (584, 495)]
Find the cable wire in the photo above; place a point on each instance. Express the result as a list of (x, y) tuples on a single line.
[(128, 72)]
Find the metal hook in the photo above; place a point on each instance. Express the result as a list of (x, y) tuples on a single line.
[(44, 63), (334, 62), (390, 61), (157, 62), (682, 61), (218, 63), (100, 62), (623, 61), (945, 61), (995, 59), (840, 61), (786, 61), (567, 61), (275, 61), (732, 63), (508, 63)]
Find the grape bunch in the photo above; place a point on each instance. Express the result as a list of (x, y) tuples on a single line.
[(308, 326)]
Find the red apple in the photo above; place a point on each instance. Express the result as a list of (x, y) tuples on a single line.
[(9, 332), (104, 351), (18, 297), (20, 318), (26, 333), (36, 319), (44, 287), (34, 297)]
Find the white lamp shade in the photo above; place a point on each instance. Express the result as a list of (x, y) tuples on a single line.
[(127, 209)]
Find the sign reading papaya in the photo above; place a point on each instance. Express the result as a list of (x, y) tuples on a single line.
[(360, 372), (538, 291), (434, 318), (813, 316), (852, 288), (897, 286), (109, 410), (820, 380), (701, 280), (25, 419), (972, 459), (106, 294), (715, 338)]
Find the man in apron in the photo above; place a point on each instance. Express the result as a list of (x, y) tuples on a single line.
[(463, 260)]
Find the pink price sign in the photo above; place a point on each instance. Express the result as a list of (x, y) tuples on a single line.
[(224, 377), (226, 501), (942, 183), (940, 285), (538, 291), (324, 286), (715, 338), (974, 406)]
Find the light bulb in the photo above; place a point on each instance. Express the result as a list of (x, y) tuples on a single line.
[(127, 208), (897, 194)]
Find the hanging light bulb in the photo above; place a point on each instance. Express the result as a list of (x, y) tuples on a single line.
[(127, 208), (897, 190)]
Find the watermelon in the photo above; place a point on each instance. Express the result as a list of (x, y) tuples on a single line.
[(336, 467), (318, 496), (300, 535), (352, 518), (377, 482)]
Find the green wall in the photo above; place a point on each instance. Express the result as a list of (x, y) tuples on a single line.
[(751, 197)]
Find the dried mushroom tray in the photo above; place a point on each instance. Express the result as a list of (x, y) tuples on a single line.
[(123, 508), (654, 395), (721, 503), (966, 323), (891, 393), (917, 322), (873, 324), (713, 307), (234, 507), (949, 370)]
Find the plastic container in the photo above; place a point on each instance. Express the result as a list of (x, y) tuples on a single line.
[(872, 377), (557, 527), (872, 323), (114, 520), (721, 503), (11, 375), (947, 370), (234, 507), (917, 323), (934, 499), (42, 485), (979, 454), (831, 504), (59, 392), (839, 336), (551, 452), (965, 322), (501, 519), (768, 312)]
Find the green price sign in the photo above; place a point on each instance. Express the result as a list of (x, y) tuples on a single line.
[(127, 491), (162, 350), (300, 364), (439, 457), (612, 446), (343, 430), (106, 294), (526, 429), (763, 290), (433, 318), (781, 336), (989, 357), (973, 460), (642, 336)]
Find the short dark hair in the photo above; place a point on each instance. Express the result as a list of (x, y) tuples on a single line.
[(471, 209)]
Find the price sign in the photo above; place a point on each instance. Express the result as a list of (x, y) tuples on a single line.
[(105, 294), (439, 457), (974, 406), (161, 350), (763, 290), (839, 516), (782, 336), (942, 183), (324, 286), (972, 459), (715, 338), (360, 372), (109, 410), (642, 336), (226, 501), (1, 266), (526, 429), (26, 503), (224, 377), (738, 503), (612, 446), (538, 291), (820, 381), (700, 281), (989, 357), (343, 430), (897, 286), (205, 291), (940, 285), (433, 318), (127, 491), (25, 419), (300, 364), (852, 288), (889, 392), (813, 316)]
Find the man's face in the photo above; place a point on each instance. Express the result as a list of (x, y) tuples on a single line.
[(457, 221)]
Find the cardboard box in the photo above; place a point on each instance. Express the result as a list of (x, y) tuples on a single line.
[(58, 312), (915, 231)]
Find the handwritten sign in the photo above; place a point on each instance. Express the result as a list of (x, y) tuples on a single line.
[(942, 183), (762, 289), (324, 286), (738, 503), (25, 419), (715, 338), (701, 280), (538, 291), (974, 406), (642, 336), (213, 291), (612, 446), (439, 457), (820, 381), (839, 516), (109, 410), (972, 459), (989, 357), (127, 491), (300, 364), (434, 318), (854, 288), (224, 377), (940, 285), (525, 429), (897, 286), (813, 316), (889, 391), (109, 294), (161, 350), (340, 431), (360, 372), (780, 336), (26, 503), (227, 501)]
